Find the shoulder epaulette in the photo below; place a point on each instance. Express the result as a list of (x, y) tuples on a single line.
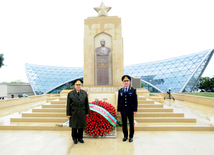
[(71, 91), (84, 90)]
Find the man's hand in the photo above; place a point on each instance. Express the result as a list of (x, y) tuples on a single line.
[(135, 113), (118, 112), (69, 116)]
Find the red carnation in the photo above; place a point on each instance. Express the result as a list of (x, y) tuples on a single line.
[(96, 123)]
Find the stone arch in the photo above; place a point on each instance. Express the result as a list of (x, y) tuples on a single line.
[(108, 38)]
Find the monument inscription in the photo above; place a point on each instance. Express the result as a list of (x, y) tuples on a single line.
[(102, 64)]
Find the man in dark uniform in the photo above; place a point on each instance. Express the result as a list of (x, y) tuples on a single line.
[(127, 106), (77, 109)]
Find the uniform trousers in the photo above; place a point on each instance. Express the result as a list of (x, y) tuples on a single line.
[(131, 122), (77, 133)]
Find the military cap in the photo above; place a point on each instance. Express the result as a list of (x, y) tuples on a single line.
[(126, 78), (78, 81)]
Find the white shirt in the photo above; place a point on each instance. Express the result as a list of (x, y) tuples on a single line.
[(126, 89)]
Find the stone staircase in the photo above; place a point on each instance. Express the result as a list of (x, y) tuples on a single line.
[(151, 116)]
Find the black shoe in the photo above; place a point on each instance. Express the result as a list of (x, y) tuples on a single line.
[(130, 139), (125, 138), (75, 141), (81, 140)]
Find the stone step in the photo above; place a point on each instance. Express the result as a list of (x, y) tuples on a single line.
[(159, 114), (44, 114), (54, 106), (139, 114), (49, 110), (49, 99), (139, 110), (63, 99), (40, 119), (172, 128), (137, 128), (155, 110), (141, 98), (146, 102), (165, 119), (58, 102), (150, 106)]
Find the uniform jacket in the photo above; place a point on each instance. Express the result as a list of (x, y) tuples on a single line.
[(77, 108), (127, 102)]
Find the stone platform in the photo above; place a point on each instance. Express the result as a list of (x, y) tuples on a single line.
[(151, 116), (15, 142)]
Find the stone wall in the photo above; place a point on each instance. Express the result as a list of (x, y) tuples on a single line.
[(18, 88)]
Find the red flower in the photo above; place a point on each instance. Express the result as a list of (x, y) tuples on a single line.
[(96, 123)]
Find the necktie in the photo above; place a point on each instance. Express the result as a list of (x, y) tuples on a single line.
[(78, 93)]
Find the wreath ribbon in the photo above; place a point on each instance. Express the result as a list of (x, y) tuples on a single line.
[(104, 113)]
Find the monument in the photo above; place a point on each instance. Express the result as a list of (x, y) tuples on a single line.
[(103, 50)]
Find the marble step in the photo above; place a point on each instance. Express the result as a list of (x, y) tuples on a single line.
[(137, 128), (139, 114), (138, 119), (140, 106), (139, 110), (150, 106), (40, 119), (164, 119), (146, 102), (171, 128), (54, 106), (141, 98), (44, 114), (155, 110), (63, 99), (49, 110), (159, 114), (58, 102)]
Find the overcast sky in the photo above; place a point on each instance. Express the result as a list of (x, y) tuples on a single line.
[(51, 32)]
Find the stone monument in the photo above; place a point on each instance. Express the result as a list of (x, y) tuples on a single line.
[(103, 65)]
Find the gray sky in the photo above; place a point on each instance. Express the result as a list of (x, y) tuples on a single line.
[(51, 32)]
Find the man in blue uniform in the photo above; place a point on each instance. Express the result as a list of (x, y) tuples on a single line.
[(127, 106)]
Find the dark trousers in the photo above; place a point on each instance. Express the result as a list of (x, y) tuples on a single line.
[(131, 122), (77, 133)]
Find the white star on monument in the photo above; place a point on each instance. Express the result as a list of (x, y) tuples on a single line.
[(102, 10)]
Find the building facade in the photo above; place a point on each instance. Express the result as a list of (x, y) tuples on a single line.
[(181, 74)]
